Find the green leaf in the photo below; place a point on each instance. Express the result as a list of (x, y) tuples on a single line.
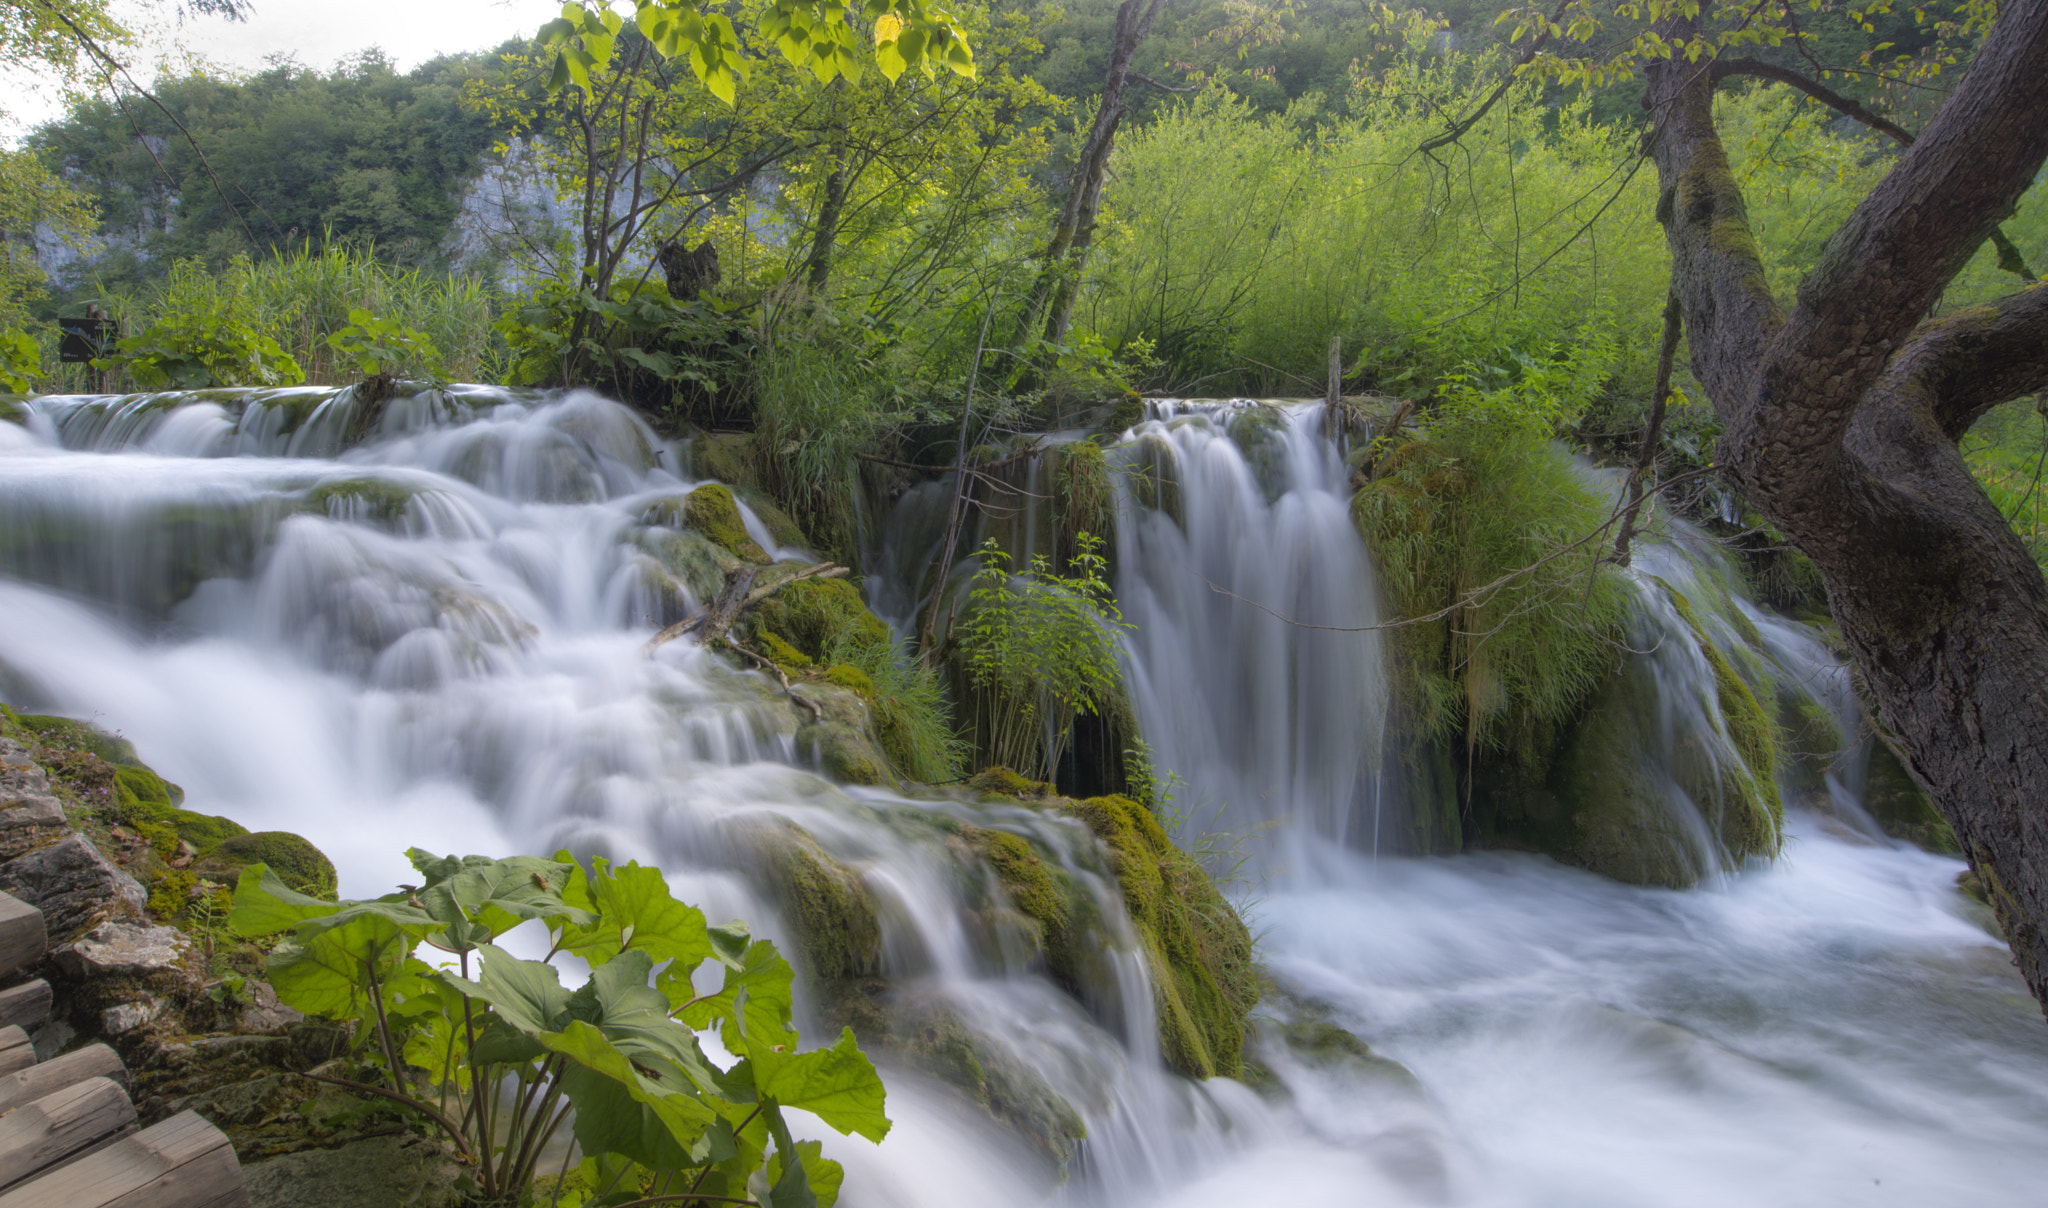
[(265, 905), (526, 994), (839, 1085), (666, 1092), (753, 1006), (631, 907), (327, 971)]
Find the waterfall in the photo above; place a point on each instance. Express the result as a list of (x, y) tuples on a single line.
[(426, 622), (1235, 541)]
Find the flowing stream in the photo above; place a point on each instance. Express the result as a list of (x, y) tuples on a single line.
[(428, 627)]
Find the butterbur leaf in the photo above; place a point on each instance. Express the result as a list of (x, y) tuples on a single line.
[(526, 994), (610, 1120), (784, 1183), (631, 907), (839, 1085), (754, 1003), (729, 942), (666, 1092), (822, 1176), (326, 971), (502, 1044), (265, 905)]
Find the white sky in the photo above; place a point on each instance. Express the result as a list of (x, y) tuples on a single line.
[(315, 32)]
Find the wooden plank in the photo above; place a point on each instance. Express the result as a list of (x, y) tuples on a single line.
[(31, 1084), (16, 1053), (23, 938), (39, 1135), (182, 1163), (26, 1005)]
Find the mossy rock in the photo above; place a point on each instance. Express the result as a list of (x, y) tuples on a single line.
[(840, 740), (850, 677), (1898, 805), (690, 557), (1312, 1037), (297, 863), (1260, 433), (1197, 947), (728, 457), (1040, 891), (143, 796), (205, 832), (1003, 781), (712, 511), (374, 499), (780, 524), (1154, 475), (780, 651), (826, 905), (928, 1036), (83, 736), (819, 615)]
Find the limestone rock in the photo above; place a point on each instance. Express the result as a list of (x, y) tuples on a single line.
[(20, 774), (73, 885), (264, 1012), (380, 1172), (125, 949), (128, 1016)]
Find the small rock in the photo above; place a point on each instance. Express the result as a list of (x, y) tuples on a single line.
[(24, 809), (391, 1172), (128, 1016), (19, 773), (264, 1012), (123, 948), (73, 885)]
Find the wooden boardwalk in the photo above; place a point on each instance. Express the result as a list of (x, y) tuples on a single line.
[(68, 1134)]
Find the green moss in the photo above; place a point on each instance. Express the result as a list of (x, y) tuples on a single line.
[(1008, 783), (725, 456), (298, 863), (1039, 891), (712, 511), (204, 832), (1754, 826), (79, 735), (781, 651), (1196, 946), (820, 615), (143, 796), (827, 906), (850, 677), (368, 498), (780, 524), (1898, 805)]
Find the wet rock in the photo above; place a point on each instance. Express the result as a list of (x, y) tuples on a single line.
[(379, 1172), (712, 511), (827, 905), (124, 949), (74, 886)]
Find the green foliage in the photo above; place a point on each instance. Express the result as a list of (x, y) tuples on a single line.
[(1484, 528), (1041, 649), (380, 345), (21, 361), (498, 1055), (36, 205), (913, 721), (208, 338)]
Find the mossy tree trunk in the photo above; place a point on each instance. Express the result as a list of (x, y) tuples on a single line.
[(1842, 416)]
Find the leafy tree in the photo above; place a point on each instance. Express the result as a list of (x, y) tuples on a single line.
[(498, 1055)]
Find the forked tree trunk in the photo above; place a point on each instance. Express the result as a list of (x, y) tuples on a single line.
[(1842, 417)]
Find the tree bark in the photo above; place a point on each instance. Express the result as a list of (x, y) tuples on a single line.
[(1841, 417), (1060, 271)]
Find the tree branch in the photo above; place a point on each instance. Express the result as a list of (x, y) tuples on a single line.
[(1964, 363), (1461, 126)]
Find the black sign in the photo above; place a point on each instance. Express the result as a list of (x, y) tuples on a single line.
[(85, 339)]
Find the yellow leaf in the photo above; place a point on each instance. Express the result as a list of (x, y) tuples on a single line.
[(886, 27)]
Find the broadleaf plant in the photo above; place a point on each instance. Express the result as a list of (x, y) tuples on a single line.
[(494, 1051)]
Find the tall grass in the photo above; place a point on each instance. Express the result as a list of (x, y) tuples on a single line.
[(300, 298)]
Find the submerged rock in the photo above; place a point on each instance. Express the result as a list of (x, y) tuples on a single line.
[(826, 904)]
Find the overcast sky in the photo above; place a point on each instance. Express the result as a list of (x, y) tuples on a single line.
[(315, 32)]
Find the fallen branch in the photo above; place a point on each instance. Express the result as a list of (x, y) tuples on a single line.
[(817, 711), (736, 597)]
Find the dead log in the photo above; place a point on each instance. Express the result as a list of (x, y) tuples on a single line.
[(60, 1125), (31, 1084), (23, 937), (183, 1162), (26, 1005), (735, 598)]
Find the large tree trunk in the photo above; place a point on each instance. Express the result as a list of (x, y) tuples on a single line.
[(1841, 420)]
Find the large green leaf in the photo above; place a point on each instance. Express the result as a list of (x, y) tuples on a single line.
[(838, 1085), (327, 971), (526, 994), (755, 1001), (665, 1091), (477, 899), (265, 905), (632, 908)]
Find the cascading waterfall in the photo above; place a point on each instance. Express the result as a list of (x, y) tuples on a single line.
[(1235, 539), (425, 623)]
